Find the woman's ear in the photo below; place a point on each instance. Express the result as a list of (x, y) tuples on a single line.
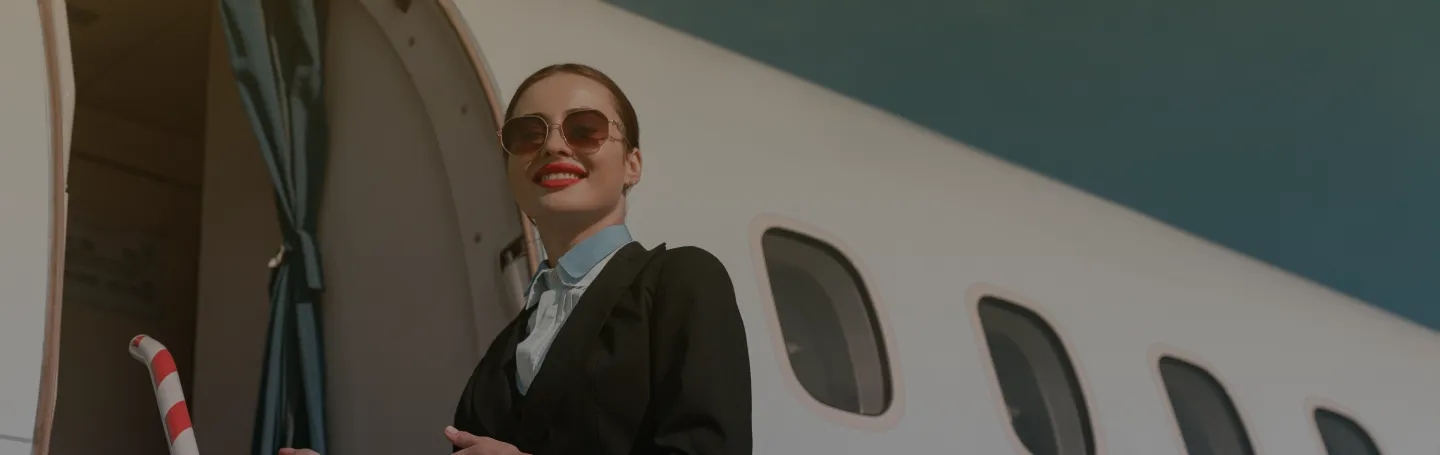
[(634, 163)]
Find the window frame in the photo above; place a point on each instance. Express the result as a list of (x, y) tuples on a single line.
[(1159, 351), (973, 297), (1314, 404), (759, 225)]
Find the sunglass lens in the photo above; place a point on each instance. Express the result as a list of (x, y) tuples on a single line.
[(586, 130), (523, 135)]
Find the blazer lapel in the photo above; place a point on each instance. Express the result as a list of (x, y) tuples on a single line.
[(497, 401), (568, 352)]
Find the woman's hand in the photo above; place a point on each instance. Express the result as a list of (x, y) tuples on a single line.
[(470, 444)]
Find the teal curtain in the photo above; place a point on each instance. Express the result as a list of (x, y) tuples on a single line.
[(275, 52)]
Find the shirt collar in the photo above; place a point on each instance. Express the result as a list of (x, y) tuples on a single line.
[(577, 262)]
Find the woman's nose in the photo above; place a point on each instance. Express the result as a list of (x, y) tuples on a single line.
[(555, 143)]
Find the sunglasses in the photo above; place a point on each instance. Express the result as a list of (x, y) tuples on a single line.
[(583, 130)]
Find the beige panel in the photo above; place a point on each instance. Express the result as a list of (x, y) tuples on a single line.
[(137, 144), (451, 82), (398, 321), (142, 59)]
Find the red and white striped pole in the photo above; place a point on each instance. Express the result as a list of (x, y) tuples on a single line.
[(168, 394)]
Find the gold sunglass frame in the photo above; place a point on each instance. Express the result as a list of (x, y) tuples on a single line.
[(500, 134)]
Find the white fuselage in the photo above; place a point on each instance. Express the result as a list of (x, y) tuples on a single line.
[(732, 146)]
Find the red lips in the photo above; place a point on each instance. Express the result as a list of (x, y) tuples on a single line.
[(559, 174)]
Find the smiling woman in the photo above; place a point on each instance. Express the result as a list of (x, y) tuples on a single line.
[(675, 374)]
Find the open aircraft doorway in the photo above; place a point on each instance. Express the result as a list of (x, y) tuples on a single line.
[(173, 218)]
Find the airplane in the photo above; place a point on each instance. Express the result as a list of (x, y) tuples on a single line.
[(901, 290)]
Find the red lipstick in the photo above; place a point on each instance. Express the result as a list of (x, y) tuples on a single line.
[(559, 175)]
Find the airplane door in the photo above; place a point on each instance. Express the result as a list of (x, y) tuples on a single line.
[(34, 112), (417, 229)]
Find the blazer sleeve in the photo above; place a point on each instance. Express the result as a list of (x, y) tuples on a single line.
[(700, 361), (465, 418)]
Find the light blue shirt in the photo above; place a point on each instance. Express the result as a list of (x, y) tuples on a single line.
[(555, 291)]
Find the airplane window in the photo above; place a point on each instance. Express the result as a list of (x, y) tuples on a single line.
[(828, 323), (1343, 436), (1208, 420), (1037, 380)]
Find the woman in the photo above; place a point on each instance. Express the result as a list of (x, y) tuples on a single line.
[(620, 350)]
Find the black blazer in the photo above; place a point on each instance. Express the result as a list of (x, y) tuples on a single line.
[(652, 361)]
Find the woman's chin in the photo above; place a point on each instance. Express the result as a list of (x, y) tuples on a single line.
[(561, 204)]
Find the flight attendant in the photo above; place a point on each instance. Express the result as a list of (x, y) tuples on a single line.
[(620, 349)]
